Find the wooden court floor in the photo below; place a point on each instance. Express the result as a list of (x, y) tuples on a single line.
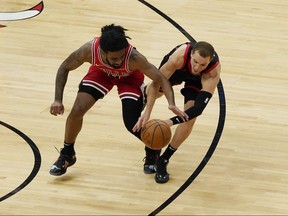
[(246, 175)]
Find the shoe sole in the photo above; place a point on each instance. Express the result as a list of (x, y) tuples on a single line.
[(59, 174), (161, 181), (149, 170)]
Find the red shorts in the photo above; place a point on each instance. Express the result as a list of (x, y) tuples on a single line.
[(99, 81)]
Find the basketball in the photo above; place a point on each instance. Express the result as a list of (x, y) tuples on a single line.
[(156, 134)]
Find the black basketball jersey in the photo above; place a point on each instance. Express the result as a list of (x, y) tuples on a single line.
[(184, 74)]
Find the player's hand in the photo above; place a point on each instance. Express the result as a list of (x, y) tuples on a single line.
[(57, 108), (141, 122), (179, 112)]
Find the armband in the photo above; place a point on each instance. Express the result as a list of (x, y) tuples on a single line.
[(176, 120), (201, 102)]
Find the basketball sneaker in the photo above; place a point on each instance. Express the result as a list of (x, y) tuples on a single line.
[(149, 163), (62, 163), (161, 176)]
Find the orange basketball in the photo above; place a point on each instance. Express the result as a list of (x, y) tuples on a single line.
[(156, 134)]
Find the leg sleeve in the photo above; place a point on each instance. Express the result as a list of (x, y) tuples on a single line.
[(131, 111)]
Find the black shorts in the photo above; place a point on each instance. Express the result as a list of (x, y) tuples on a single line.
[(192, 85)]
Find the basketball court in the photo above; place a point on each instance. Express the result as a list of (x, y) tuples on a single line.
[(233, 163)]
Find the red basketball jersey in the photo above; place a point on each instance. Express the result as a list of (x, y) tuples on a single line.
[(98, 64)]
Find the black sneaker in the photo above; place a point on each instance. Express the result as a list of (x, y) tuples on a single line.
[(62, 163), (149, 164), (161, 176)]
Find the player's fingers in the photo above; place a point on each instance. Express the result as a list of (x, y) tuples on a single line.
[(180, 113), (134, 129), (136, 126), (61, 110), (56, 110), (52, 111), (143, 123), (186, 117)]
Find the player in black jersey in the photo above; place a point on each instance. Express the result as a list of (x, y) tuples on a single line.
[(196, 64)]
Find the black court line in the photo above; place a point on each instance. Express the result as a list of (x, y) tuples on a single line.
[(37, 161), (220, 126)]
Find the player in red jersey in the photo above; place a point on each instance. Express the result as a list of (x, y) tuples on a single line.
[(114, 62), (198, 66)]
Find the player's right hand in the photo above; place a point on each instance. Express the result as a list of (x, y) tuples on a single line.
[(179, 113), (57, 108)]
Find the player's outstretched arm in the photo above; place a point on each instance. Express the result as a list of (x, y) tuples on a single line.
[(73, 61)]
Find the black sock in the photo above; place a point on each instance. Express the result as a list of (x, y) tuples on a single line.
[(152, 152), (168, 152), (68, 148)]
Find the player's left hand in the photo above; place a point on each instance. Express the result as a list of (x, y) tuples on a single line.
[(141, 122), (179, 112)]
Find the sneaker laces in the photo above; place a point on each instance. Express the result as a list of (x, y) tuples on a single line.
[(151, 159), (147, 160), (61, 159), (57, 149)]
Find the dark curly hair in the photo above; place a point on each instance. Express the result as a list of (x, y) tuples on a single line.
[(113, 38)]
